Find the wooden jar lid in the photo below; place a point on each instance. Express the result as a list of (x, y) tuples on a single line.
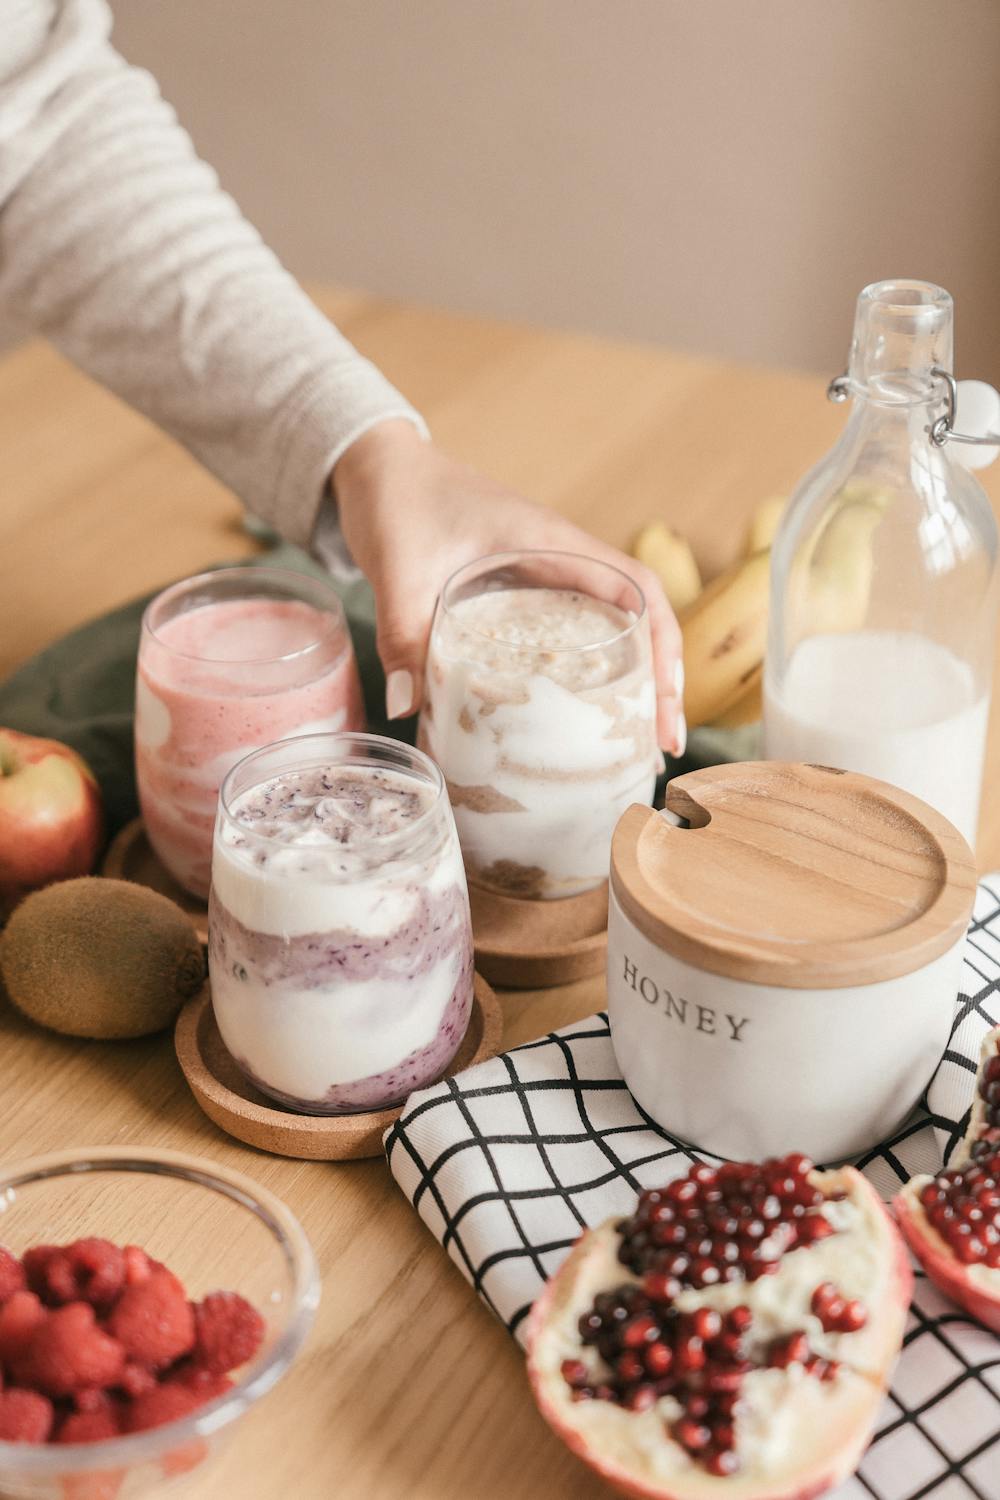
[(794, 875)]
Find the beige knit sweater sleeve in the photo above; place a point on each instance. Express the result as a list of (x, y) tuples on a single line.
[(118, 244)]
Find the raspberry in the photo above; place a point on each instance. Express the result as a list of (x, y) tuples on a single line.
[(36, 1264), (228, 1331), (137, 1265), (89, 1427), (205, 1383), (25, 1417), (89, 1399), (167, 1403), (69, 1350), (20, 1315), (12, 1277), (98, 1269), (89, 1270), (137, 1379), (153, 1321)]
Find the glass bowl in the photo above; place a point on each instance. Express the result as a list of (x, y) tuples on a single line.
[(215, 1229)]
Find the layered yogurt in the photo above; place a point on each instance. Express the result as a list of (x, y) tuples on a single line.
[(340, 946), (216, 681), (540, 710)]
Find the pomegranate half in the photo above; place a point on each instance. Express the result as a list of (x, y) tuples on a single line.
[(734, 1336), (952, 1221)]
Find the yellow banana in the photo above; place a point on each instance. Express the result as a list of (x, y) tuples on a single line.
[(831, 584), (724, 631), (671, 559), (763, 524), (748, 708)]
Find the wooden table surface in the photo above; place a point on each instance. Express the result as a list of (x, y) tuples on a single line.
[(407, 1387)]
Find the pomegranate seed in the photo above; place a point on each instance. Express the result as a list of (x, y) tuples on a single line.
[(659, 1358), (696, 1406), (704, 1272), (832, 1313), (590, 1326), (788, 1351), (682, 1190), (668, 1234), (660, 1213), (630, 1367), (728, 1381), (704, 1174), (822, 1296), (692, 1435), (727, 1252), (814, 1227), (721, 1461), (739, 1319), (641, 1398), (575, 1372), (689, 1354), (675, 1264), (660, 1287), (853, 1317), (641, 1330), (724, 1435), (798, 1164), (706, 1323)]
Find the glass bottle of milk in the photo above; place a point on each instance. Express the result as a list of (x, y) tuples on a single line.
[(884, 576)]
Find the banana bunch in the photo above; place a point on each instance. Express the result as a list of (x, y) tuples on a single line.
[(724, 625)]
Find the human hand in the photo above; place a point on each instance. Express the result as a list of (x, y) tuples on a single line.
[(411, 516)]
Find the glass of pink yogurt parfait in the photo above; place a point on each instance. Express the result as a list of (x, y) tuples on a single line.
[(340, 941), (229, 661)]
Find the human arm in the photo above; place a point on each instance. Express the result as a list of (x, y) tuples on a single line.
[(117, 243)]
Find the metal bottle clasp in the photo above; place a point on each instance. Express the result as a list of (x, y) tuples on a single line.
[(942, 430)]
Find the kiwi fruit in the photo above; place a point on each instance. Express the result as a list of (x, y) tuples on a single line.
[(100, 958)]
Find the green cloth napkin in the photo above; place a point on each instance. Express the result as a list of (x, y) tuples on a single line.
[(80, 690)]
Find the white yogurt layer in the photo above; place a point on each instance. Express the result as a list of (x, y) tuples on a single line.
[(319, 866), (303, 1042), (541, 715)]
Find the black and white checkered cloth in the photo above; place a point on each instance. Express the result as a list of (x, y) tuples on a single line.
[(507, 1162)]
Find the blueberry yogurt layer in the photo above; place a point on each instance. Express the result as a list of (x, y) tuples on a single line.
[(340, 945)]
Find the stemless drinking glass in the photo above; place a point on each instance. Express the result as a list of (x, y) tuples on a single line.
[(229, 661), (340, 942), (540, 710)]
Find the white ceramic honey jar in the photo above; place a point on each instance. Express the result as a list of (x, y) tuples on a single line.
[(782, 968)]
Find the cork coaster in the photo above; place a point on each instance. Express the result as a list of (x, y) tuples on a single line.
[(130, 856), (231, 1101), (530, 945)]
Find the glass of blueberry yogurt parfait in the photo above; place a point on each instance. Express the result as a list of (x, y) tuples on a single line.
[(340, 943)]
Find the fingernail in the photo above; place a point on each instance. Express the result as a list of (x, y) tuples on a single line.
[(679, 678), (399, 694), (680, 735)]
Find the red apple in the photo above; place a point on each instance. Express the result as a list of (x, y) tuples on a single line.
[(51, 822)]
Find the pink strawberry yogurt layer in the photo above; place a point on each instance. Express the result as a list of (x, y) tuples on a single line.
[(216, 682)]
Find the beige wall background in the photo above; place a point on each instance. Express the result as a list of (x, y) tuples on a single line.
[(721, 175)]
